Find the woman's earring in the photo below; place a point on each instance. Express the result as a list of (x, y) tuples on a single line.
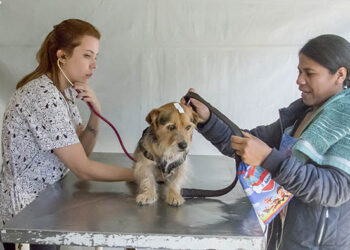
[(346, 83)]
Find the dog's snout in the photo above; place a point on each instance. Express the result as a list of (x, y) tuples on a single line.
[(182, 145)]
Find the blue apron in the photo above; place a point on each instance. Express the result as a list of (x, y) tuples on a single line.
[(267, 197)]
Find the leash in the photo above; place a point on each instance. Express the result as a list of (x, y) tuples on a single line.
[(193, 193)]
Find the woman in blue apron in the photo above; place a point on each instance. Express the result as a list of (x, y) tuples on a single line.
[(306, 151)]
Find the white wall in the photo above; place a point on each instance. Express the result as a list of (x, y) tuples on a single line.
[(241, 55)]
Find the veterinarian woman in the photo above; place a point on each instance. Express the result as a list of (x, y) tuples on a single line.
[(318, 170), (42, 134)]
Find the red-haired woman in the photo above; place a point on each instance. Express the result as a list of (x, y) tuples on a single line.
[(42, 134)]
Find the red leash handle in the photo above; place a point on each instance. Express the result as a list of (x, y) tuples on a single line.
[(111, 125)]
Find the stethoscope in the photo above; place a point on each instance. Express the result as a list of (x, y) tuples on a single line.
[(96, 113)]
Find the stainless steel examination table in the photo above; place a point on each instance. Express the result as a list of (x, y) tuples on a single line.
[(86, 213)]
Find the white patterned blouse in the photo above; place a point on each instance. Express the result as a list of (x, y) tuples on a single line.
[(37, 120)]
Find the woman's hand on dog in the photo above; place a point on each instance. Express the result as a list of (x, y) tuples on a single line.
[(251, 149), (202, 110)]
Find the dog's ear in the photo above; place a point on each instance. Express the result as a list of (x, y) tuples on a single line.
[(195, 117), (152, 117)]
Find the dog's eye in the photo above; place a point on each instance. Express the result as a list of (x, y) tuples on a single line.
[(171, 127), (188, 127)]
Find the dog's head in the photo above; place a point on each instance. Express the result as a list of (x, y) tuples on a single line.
[(173, 125)]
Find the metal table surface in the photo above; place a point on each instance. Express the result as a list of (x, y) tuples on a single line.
[(87, 213)]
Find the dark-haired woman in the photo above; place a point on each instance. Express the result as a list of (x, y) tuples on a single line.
[(317, 168), (42, 134)]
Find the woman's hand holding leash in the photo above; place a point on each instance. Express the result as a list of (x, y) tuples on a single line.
[(202, 110), (252, 150)]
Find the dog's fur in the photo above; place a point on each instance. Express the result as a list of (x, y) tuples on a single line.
[(161, 153)]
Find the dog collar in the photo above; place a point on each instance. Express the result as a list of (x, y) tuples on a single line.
[(173, 165), (146, 153), (164, 166)]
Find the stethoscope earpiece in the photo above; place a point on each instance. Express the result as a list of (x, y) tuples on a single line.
[(59, 66)]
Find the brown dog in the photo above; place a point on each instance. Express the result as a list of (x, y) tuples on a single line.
[(161, 153)]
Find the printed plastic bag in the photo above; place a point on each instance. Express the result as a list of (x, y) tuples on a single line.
[(267, 197)]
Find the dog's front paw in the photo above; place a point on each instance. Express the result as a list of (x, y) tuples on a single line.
[(145, 198), (174, 199)]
